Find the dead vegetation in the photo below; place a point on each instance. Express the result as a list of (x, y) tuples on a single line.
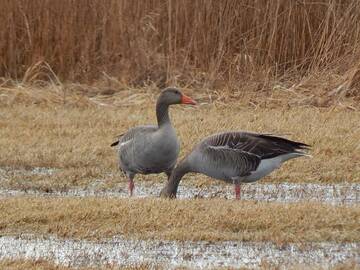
[(48, 265), (228, 46), (76, 141), (212, 220)]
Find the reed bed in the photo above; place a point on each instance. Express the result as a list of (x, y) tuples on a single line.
[(200, 44)]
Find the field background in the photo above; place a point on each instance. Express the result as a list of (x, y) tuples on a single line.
[(76, 73)]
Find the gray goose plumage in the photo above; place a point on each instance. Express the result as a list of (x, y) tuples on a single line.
[(152, 149), (235, 157)]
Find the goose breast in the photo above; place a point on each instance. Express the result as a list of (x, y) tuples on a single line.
[(149, 150)]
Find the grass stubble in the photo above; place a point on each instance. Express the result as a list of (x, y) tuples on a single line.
[(20, 264), (49, 265), (194, 220), (75, 141)]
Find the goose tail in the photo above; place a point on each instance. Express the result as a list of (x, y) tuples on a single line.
[(114, 144), (117, 141)]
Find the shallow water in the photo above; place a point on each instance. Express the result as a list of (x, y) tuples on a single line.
[(335, 194), (173, 254), (8, 171), (200, 255)]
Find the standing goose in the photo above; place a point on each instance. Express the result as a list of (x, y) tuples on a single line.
[(152, 149), (235, 157)]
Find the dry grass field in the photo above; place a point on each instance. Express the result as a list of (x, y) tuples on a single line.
[(45, 265), (71, 142), (196, 220), (76, 140)]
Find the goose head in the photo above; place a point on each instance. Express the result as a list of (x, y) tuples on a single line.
[(171, 96)]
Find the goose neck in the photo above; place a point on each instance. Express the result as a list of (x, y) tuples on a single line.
[(170, 189), (162, 113)]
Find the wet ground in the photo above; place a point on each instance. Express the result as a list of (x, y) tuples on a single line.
[(171, 254), (335, 194), (8, 171)]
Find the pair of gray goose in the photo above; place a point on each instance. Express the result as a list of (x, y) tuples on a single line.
[(235, 157)]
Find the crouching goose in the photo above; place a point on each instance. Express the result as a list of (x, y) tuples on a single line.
[(235, 157), (152, 149)]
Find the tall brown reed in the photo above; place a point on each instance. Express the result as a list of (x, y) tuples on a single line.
[(167, 41)]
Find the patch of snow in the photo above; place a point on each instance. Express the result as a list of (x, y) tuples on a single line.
[(335, 194), (5, 172), (172, 254)]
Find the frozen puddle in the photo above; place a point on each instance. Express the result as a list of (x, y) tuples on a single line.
[(285, 192), (344, 193), (171, 254), (6, 172)]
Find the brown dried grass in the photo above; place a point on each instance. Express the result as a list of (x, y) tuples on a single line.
[(19, 264), (204, 43), (76, 140), (212, 220), (47, 265)]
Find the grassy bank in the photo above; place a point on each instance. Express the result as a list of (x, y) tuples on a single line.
[(212, 220), (77, 141)]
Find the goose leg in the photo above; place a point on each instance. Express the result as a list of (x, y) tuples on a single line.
[(237, 183), (168, 174), (131, 187), (237, 191), (131, 183)]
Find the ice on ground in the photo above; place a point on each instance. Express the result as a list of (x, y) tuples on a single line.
[(344, 193), (172, 254), (5, 172), (335, 194)]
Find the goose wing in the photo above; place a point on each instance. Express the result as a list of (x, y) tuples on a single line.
[(128, 136), (262, 145), (128, 145), (244, 150), (221, 157)]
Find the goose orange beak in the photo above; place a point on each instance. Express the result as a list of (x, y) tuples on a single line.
[(187, 100)]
